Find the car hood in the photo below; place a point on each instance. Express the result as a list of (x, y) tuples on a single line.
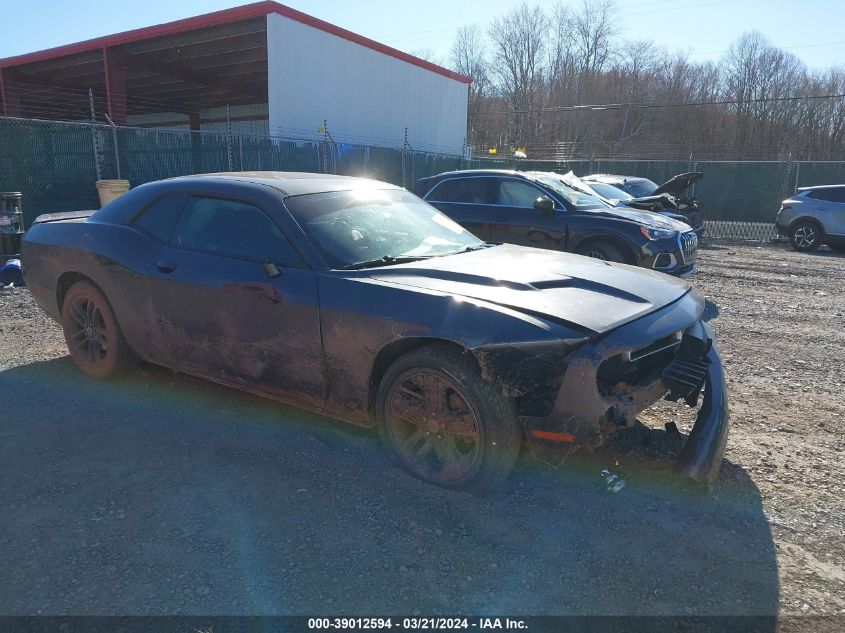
[(678, 184), (578, 291), (646, 218)]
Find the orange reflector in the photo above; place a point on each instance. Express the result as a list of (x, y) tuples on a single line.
[(554, 437)]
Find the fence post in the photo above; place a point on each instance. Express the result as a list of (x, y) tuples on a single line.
[(797, 171), (694, 168), (229, 137), (114, 139), (404, 158), (94, 142), (407, 155), (325, 161)]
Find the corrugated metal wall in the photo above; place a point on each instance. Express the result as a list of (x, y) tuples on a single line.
[(366, 96)]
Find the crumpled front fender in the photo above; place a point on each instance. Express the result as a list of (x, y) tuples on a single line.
[(702, 455)]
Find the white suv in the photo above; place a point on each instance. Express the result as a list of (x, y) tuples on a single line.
[(814, 216)]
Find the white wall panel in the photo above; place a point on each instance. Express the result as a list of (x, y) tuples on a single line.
[(366, 96)]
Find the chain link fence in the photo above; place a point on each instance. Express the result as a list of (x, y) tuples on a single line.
[(55, 165)]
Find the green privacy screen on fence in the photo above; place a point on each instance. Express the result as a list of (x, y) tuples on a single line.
[(55, 166)]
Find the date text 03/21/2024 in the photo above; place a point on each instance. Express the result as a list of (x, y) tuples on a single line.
[(416, 623)]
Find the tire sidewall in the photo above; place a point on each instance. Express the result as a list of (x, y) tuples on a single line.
[(496, 415), (805, 249), (110, 363), (610, 252)]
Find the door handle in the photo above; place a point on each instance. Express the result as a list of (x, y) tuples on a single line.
[(166, 267)]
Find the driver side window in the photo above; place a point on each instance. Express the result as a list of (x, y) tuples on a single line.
[(232, 228), (515, 193)]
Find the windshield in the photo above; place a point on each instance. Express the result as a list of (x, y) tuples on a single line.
[(576, 194), (368, 225), (639, 187), (609, 191)]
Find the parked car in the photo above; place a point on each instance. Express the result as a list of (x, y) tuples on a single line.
[(618, 198), (663, 204), (641, 193), (356, 299), (814, 216), (543, 209)]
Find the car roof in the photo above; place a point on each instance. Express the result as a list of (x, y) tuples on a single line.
[(293, 183), (479, 172), (820, 187)]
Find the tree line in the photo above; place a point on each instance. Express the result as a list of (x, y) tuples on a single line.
[(534, 70)]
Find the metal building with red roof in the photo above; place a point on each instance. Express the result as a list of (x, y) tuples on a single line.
[(264, 68)]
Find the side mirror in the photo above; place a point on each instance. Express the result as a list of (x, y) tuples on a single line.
[(545, 205)]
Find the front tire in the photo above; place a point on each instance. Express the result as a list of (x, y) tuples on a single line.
[(805, 236), (444, 424), (604, 251), (93, 337)]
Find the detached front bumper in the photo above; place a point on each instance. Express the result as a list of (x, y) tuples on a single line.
[(677, 359), (702, 455)]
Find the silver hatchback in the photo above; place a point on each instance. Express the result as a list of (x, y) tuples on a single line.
[(814, 216)]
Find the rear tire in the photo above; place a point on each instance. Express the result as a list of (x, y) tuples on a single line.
[(805, 236), (92, 334), (604, 251), (444, 424)]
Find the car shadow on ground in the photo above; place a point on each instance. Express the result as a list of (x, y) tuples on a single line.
[(712, 246), (826, 252), (157, 493), (823, 251)]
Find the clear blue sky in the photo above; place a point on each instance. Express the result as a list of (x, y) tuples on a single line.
[(811, 29)]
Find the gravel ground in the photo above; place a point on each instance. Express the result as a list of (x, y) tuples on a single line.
[(157, 493)]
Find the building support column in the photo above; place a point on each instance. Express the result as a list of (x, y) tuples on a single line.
[(114, 69)]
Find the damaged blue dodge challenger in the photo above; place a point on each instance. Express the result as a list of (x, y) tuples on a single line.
[(356, 299)]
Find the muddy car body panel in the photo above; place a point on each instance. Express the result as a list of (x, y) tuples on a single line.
[(574, 341)]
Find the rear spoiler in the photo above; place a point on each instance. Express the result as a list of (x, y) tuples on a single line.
[(63, 216)]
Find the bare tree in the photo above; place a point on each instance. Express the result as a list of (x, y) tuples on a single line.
[(519, 43), (428, 55), (469, 58), (756, 72), (594, 31), (758, 101)]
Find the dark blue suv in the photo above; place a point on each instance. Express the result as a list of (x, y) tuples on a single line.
[(554, 211)]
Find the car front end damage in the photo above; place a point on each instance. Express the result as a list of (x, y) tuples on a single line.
[(674, 255), (609, 379)]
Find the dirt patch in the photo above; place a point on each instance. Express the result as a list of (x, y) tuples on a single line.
[(157, 493)]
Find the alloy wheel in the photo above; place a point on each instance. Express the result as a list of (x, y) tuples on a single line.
[(89, 333), (433, 427), (805, 236)]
